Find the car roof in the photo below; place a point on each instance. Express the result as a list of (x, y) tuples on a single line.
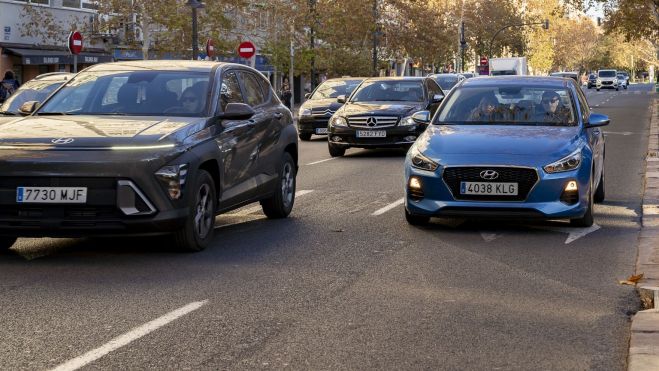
[(396, 78), (166, 65), (345, 79), (549, 81)]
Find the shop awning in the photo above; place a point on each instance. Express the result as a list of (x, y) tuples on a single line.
[(37, 56)]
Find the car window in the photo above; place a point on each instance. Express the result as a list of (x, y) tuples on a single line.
[(230, 90), (389, 91), (511, 105), (34, 90), (583, 102), (433, 88), (253, 91), (606, 73), (447, 82), (332, 89)]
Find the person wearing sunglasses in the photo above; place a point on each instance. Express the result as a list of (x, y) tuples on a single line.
[(552, 109), (190, 100)]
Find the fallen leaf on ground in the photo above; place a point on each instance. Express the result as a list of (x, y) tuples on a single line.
[(632, 280)]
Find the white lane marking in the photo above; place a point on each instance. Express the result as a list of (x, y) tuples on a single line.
[(625, 133), (489, 237), (321, 161), (257, 208), (389, 207), (574, 233), (127, 338)]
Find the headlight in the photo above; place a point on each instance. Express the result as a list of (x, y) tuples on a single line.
[(567, 163), (339, 121), (407, 121), (422, 162), (173, 178), (304, 112)]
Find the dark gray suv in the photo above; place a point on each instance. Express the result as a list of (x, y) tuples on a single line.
[(148, 147)]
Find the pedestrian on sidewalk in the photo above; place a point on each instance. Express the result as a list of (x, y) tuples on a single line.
[(286, 94), (8, 86)]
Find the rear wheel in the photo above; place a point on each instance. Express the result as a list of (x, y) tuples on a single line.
[(587, 219), (199, 225), (417, 220), (6, 242), (281, 203), (304, 136), (336, 151)]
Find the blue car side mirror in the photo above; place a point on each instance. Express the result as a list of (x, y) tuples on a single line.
[(596, 120)]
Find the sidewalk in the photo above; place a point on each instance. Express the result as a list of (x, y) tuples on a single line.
[(644, 342)]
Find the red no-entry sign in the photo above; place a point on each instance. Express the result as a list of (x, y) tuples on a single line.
[(246, 49), (75, 42), (484, 61)]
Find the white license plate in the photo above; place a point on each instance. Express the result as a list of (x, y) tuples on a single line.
[(51, 195), (321, 131), (371, 134), (486, 188)]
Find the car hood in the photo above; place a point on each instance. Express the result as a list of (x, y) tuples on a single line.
[(97, 132), (399, 109), (322, 104), (539, 141)]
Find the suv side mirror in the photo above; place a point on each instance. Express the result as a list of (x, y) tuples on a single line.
[(237, 111), (341, 99), (28, 107), (437, 98), (596, 120)]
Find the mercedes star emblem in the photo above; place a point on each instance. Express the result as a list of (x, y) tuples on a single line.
[(371, 121)]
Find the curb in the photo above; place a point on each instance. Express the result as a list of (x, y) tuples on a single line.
[(644, 341)]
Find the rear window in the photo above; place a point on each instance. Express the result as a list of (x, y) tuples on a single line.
[(332, 89)]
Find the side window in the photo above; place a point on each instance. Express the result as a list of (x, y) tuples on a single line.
[(585, 109), (253, 90), (230, 90), (434, 89)]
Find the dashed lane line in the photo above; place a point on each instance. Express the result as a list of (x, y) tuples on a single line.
[(389, 207), (127, 338), (321, 161)]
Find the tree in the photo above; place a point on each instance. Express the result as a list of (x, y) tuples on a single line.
[(40, 23)]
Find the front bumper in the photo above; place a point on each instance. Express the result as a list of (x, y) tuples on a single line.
[(395, 136), (607, 84), (542, 202), (311, 124)]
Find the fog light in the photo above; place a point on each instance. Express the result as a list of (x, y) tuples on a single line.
[(571, 186), (173, 178), (336, 138), (410, 138), (415, 183), (570, 195), (415, 188)]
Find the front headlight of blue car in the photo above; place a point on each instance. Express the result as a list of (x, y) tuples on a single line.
[(339, 121), (422, 162), (567, 163)]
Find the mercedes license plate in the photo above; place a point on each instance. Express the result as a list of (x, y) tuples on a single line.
[(321, 131), (52, 195), (489, 189), (371, 134)]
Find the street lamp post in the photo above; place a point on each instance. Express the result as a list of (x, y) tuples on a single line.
[(545, 25), (194, 4)]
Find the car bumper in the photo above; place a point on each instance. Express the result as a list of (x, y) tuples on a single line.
[(312, 124), (542, 201), (605, 86), (398, 136)]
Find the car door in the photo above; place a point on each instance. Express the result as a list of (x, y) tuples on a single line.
[(595, 135), (237, 142)]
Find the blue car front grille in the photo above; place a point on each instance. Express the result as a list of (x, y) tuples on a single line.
[(526, 178)]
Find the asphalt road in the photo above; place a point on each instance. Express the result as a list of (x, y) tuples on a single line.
[(345, 282)]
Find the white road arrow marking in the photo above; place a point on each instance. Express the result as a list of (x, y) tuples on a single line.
[(489, 237), (573, 233), (389, 207)]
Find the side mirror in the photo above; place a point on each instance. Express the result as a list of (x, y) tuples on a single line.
[(437, 98), (596, 120), (28, 107), (237, 111), (307, 95), (341, 99), (422, 117)]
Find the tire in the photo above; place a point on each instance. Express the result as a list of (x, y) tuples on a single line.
[(6, 242), (587, 219), (336, 151), (618, 89), (599, 193), (198, 230), (589, 87), (304, 136), (281, 203), (625, 87), (416, 220), (597, 89)]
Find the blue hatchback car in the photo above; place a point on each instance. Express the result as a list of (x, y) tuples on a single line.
[(520, 147)]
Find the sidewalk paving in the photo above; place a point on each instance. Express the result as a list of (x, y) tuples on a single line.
[(644, 342)]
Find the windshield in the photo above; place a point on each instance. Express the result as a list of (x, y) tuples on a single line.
[(509, 105), (31, 90), (607, 73), (332, 89), (146, 93), (446, 82), (389, 91)]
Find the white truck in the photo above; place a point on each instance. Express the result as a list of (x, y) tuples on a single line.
[(508, 66)]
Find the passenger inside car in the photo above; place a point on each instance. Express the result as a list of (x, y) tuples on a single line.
[(552, 109)]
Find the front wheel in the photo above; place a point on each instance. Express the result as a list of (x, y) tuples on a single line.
[(304, 136), (336, 151), (587, 219), (199, 226), (6, 242), (281, 203), (417, 220)]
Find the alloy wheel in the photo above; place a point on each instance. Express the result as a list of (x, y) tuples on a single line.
[(203, 219)]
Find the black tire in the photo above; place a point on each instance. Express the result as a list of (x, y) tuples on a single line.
[(6, 242), (336, 151), (599, 193), (625, 87), (199, 227), (587, 219), (281, 203), (416, 220), (618, 89), (305, 136), (597, 89)]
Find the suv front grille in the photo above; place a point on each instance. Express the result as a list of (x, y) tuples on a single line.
[(372, 121), (526, 178)]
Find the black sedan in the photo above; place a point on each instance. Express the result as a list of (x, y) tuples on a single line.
[(321, 105), (384, 112), (148, 147)]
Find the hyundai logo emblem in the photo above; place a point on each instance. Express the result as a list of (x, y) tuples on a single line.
[(371, 121), (62, 140), (489, 174)]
